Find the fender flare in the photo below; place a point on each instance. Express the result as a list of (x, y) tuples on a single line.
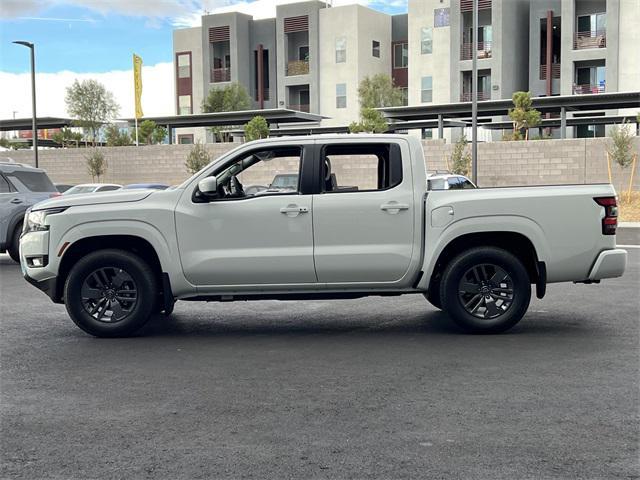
[(482, 224)]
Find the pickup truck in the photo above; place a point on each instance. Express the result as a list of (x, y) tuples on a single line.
[(117, 258)]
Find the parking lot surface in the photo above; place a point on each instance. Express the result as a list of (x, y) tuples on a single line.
[(370, 388)]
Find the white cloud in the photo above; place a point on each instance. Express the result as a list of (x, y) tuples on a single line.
[(157, 91)]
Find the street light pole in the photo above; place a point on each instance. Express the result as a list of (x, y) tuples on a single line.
[(474, 95), (34, 125)]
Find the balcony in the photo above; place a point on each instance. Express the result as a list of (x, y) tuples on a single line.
[(555, 71), (590, 39), (220, 75), (466, 96), (587, 89), (303, 107), (297, 67), (484, 50)]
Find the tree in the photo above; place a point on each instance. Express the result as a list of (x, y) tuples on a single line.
[(371, 121), (115, 137), (256, 128), (96, 164), (620, 148), (145, 131), (197, 159), (379, 91), (91, 105), (67, 137), (231, 98), (522, 115), (460, 158), (159, 134)]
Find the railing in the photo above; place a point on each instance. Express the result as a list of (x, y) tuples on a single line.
[(555, 71), (297, 67), (484, 50), (220, 75), (591, 39), (587, 89), (303, 107), (466, 96)]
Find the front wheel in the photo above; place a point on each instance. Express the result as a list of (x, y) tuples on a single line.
[(110, 293), (485, 290)]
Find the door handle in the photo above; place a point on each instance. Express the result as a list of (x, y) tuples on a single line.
[(293, 210), (394, 207), (15, 201)]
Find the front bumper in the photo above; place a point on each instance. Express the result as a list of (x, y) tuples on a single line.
[(36, 245), (609, 264)]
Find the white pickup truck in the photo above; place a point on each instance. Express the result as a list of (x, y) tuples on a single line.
[(360, 222)]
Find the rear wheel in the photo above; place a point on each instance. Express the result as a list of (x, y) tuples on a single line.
[(14, 246), (110, 293), (485, 290)]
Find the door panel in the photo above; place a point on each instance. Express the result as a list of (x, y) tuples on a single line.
[(252, 234), (243, 242), (363, 235)]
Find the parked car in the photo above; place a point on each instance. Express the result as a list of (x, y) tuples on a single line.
[(93, 188), (63, 187), (448, 181), (151, 186), (475, 253), (21, 186)]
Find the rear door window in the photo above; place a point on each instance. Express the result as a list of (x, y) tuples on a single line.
[(34, 181)]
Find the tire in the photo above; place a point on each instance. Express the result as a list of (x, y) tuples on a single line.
[(485, 290), (110, 293), (14, 247)]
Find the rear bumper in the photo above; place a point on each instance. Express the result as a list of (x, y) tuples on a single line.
[(609, 264)]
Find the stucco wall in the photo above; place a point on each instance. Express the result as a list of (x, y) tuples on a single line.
[(500, 163)]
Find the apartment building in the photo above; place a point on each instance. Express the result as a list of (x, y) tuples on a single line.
[(311, 57), (589, 46)]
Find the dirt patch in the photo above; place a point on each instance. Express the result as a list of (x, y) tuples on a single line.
[(629, 208)]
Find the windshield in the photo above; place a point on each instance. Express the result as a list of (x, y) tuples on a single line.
[(80, 189)]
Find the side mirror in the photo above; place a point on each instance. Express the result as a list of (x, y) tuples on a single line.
[(208, 186)]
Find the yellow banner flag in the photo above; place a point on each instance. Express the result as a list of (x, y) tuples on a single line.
[(137, 84)]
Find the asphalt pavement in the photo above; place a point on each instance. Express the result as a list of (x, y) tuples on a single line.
[(358, 389)]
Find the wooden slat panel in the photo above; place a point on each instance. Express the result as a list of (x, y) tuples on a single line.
[(296, 24), (219, 34), (467, 5)]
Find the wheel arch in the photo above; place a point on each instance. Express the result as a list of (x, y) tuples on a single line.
[(516, 243), (130, 243)]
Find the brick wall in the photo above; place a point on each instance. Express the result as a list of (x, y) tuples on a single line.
[(500, 163)]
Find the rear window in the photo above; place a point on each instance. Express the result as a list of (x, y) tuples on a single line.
[(80, 189), (435, 184), (34, 181)]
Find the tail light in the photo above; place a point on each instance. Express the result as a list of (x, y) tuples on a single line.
[(610, 220), (55, 194)]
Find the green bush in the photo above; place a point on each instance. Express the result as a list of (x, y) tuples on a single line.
[(197, 159)]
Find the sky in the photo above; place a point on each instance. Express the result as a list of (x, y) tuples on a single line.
[(81, 39)]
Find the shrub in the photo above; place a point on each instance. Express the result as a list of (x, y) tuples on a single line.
[(460, 158), (256, 128), (96, 164), (197, 159)]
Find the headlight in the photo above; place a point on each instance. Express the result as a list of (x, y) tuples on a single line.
[(34, 221)]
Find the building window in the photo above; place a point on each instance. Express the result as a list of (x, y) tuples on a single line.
[(341, 95), (400, 55), (426, 40), (303, 53), (184, 65), (375, 48), (185, 139), (426, 92), (184, 105), (341, 50), (441, 17), (427, 133)]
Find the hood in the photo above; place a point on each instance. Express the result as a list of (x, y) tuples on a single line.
[(118, 196)]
